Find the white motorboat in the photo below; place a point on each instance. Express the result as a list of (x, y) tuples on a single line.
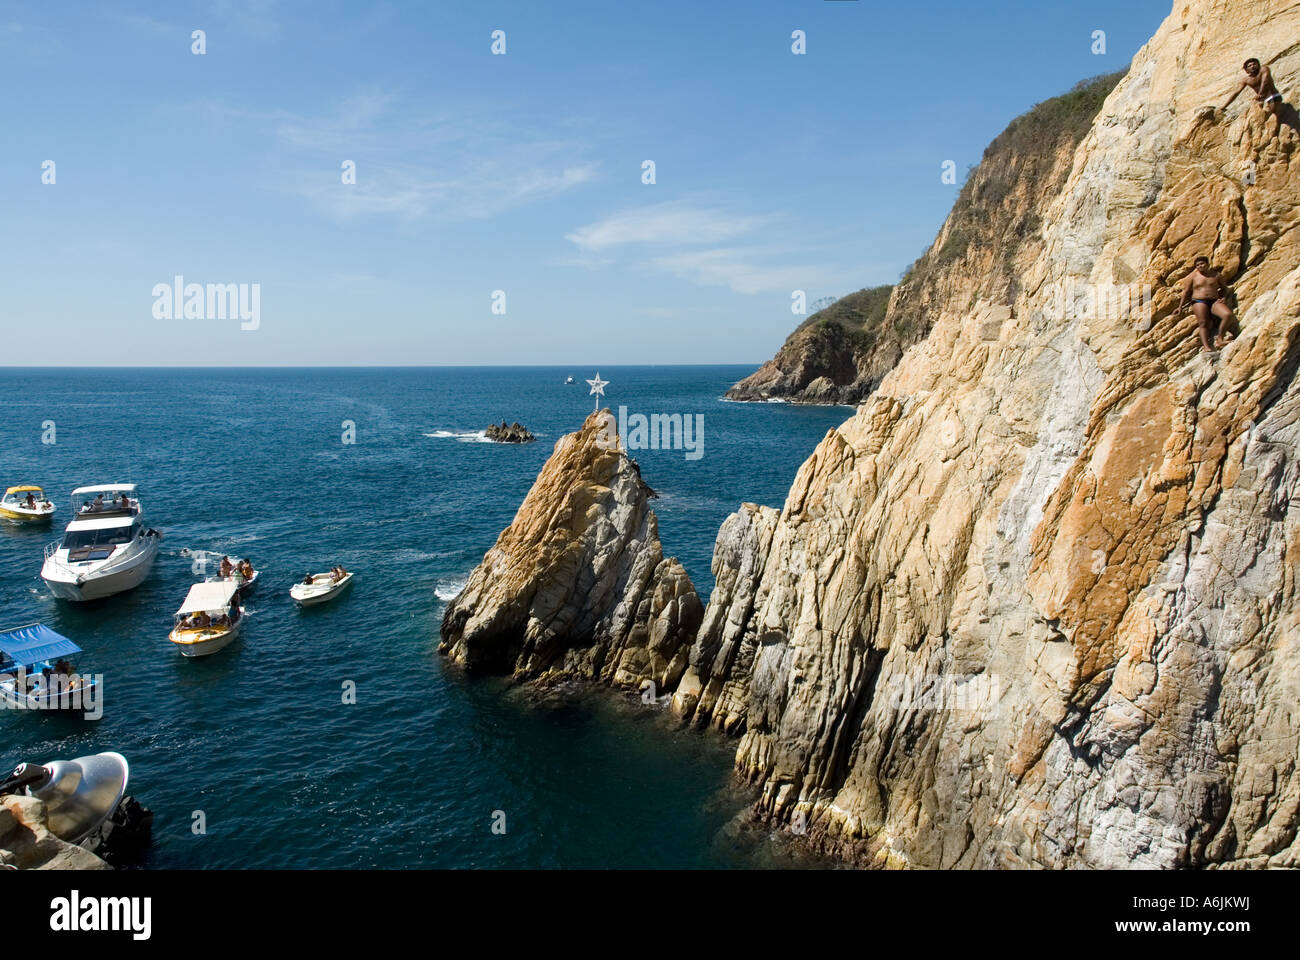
[(106, 548), (322, 587), (26, 504), (209, 619)]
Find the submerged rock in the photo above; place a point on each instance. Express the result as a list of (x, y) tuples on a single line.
[(577, 585)]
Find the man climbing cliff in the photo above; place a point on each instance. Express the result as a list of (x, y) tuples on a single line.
[(1260, 79), (1205, 290)]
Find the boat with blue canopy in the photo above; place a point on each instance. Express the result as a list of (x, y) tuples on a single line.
[(36, 671)]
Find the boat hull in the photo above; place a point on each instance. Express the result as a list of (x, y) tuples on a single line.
[(29, 517), (63, 580), (306, 597), (66, 701), (204, 643)]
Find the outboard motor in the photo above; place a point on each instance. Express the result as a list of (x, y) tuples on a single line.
[(79, 794)]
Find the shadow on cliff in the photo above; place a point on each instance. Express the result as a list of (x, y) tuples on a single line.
[(1287, 115)]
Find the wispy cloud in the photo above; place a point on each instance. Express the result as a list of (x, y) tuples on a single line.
[(744, 270), (459, 163), (483, 189), (259, 18), (663, 223), (143, 22), (683, 240)]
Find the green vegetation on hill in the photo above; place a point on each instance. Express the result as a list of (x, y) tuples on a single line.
[(996, 218), (857, 315)]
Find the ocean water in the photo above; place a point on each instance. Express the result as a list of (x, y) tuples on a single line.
[(418, 770)]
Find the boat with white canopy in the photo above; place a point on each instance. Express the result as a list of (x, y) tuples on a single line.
[(26, 504), (36, 671), (106, 547), (209, 619)]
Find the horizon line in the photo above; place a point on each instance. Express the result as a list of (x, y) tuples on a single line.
[(373, 366)]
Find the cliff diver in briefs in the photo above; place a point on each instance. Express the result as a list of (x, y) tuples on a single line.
[(1259, 79), (1205, 290)]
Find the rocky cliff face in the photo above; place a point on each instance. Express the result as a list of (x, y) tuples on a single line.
[(840, 354), (578, 586), (1035, 604)]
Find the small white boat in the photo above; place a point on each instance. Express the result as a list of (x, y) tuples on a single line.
[(26, 504), (322, 588), (209, 619), (570, 380), (106, 548)]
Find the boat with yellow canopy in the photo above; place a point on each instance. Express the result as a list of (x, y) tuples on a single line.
[(26, 504)]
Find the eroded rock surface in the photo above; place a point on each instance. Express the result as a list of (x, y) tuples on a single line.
[(577, 585), (1035, 604)]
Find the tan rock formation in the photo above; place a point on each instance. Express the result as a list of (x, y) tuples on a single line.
[(1035, 603), (27, 844), (577, 585)]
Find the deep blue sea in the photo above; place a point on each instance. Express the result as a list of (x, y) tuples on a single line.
[(257, 737)]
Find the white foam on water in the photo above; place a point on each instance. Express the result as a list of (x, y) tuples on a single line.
[(449, 589), (464, 436)]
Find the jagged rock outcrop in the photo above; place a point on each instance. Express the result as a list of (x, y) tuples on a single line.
[(578, 586), (840, 354), (508, 433), (27, 844), (1035, 604)]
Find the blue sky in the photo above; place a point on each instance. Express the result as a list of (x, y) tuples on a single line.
[(478, 173)]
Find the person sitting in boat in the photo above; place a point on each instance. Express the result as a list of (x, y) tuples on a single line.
[(31, 501), (339, 573), (309, 579), (246, 568), (99, 503), (201, 620), (63, 667), (227, 568), (125, 502)]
